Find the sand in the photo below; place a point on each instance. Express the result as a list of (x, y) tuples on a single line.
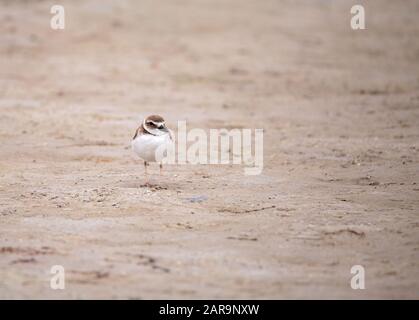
[(340, 183)]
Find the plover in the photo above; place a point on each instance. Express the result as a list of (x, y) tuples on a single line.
[(151, 140)]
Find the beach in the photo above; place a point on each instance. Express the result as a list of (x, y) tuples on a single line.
[(339, 109)]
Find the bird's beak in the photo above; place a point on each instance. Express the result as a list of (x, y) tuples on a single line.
[(164, 129)]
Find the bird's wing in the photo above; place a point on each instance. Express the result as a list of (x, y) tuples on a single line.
[(139, 131)]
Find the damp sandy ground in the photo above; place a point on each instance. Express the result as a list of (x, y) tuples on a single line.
[(340, 184)]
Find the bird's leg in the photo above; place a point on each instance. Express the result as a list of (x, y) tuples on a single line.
[(161, 168), (145, 172)]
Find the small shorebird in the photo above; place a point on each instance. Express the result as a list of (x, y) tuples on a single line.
[(150, 139)]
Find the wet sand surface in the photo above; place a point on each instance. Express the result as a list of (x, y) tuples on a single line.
[(340, 184)]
